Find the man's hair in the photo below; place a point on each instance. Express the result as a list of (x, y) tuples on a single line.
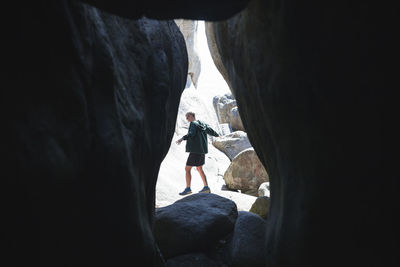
[(191, 113)]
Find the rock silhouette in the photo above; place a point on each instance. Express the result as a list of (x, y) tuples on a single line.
[(89, 109)]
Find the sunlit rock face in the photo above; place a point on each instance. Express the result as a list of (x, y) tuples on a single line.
[(90, 117), (189, 31), (246, 173), (309, 96), (232, 144), (227, 111)]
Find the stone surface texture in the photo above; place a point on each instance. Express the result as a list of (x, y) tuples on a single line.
[(89, 104), (209, 10), (248, 242), (261, 206), (92, 111), (193, 260), (189, 31), (232, 144), (227, 111), (310, 93), (263, 190), (193, 223), (246, 172)]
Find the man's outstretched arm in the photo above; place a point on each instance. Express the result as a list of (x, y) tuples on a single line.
[(211, 131), (190, 134)]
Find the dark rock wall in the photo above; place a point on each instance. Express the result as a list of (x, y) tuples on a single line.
[(161, 9), (306, 78), (90, 115), (89, 104)]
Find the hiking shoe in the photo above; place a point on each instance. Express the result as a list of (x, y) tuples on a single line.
[(187, 191), (205, 189)]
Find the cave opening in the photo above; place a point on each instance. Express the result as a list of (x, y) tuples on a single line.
[(208, 95), (237, 179)]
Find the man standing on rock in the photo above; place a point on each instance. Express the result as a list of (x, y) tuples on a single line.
[(197, 146)]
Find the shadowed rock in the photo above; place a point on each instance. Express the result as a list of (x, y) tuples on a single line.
[(236, 121), (193, 260), (261, 206), (309, 93), (88, 110), (160, 9), (194, 223), (91, 116), (248, 243)]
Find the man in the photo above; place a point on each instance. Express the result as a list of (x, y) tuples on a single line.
[(197, 146)]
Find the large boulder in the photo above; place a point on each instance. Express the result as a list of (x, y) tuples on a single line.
[(311, 95), (247, 246), (223, 105), (246, 172), (193, 224), (235, 120), (261, 206), (227, 111), (232, 144), (189, 31), (314, 81), (91, 113), (225, 128)]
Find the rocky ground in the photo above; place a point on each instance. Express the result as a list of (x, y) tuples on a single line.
[(208, 230)]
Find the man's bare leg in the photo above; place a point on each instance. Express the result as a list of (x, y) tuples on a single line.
[(202, 175), (188, 175)]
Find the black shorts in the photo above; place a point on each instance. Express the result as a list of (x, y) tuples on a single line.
[(195, 159)]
